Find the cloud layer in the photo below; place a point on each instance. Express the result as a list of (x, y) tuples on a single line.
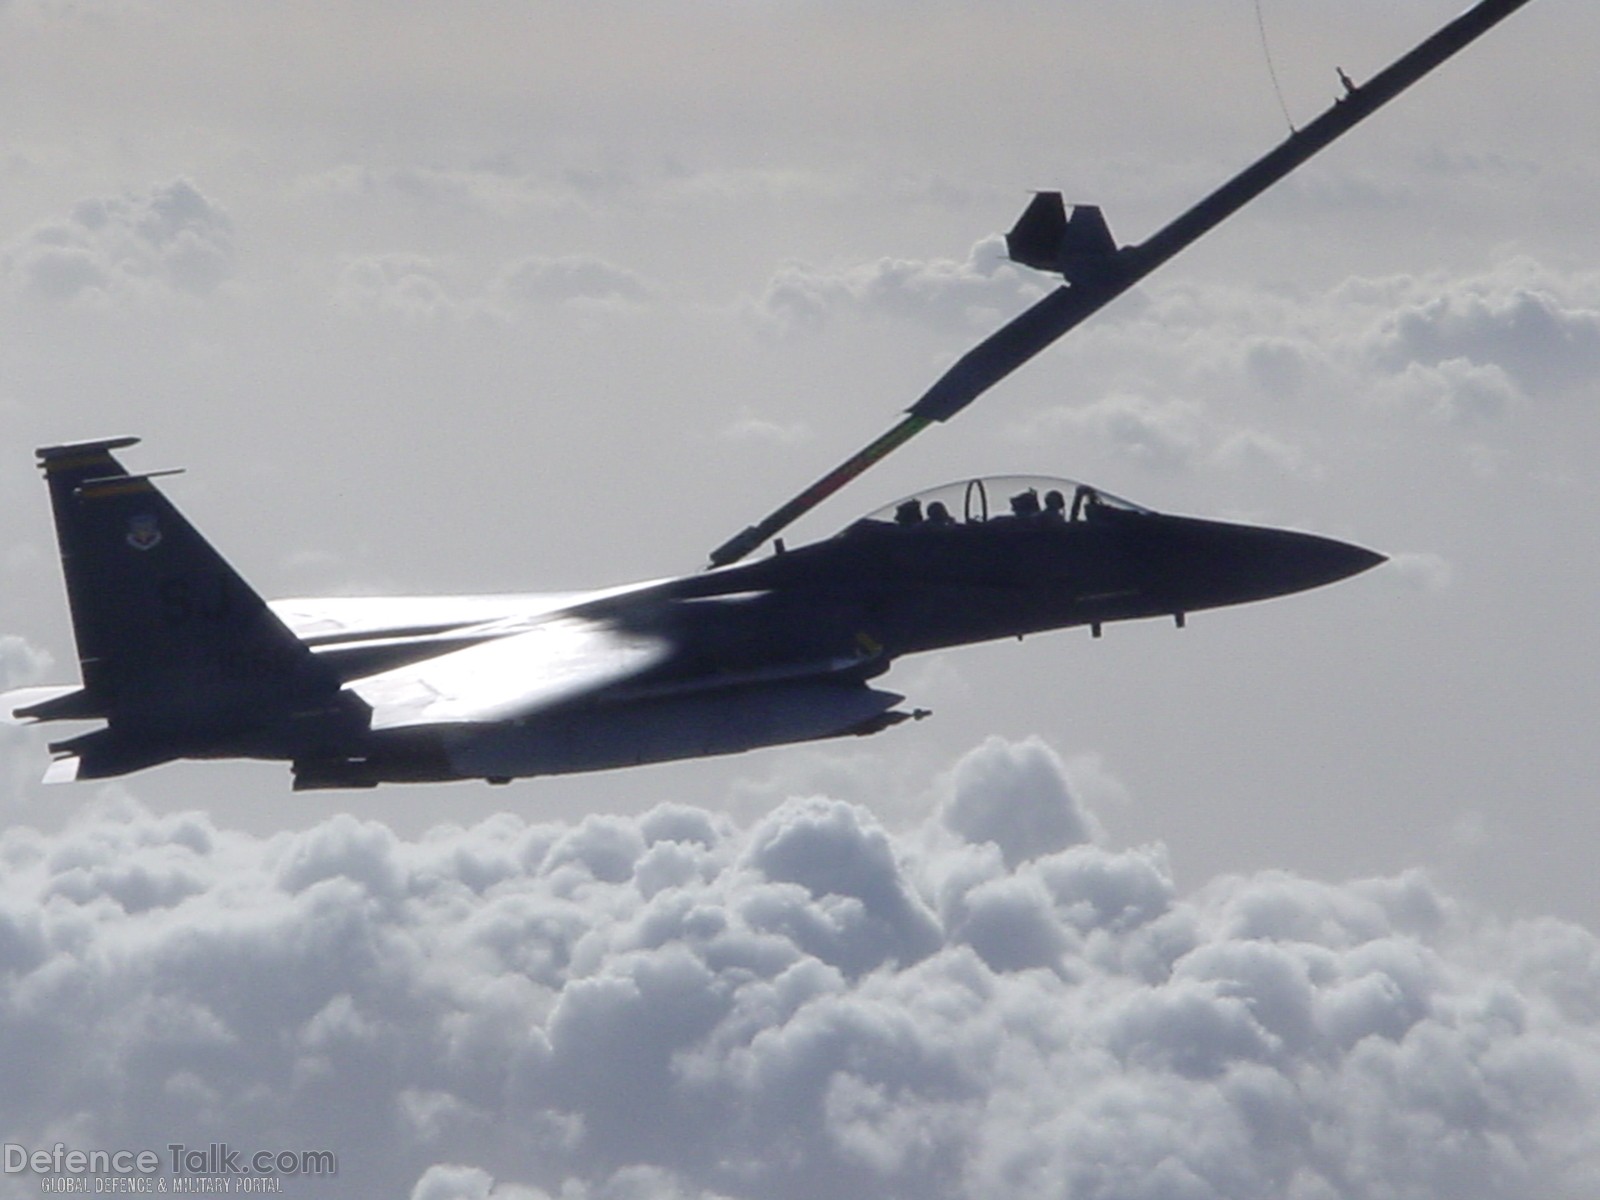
[(994, 1002), (169, 239), (965, 296)]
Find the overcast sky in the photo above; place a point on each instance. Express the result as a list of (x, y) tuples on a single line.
[(539, 296)]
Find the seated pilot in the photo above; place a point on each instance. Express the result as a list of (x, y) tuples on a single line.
[(1025, 504), (1084, 502), (908, 513)]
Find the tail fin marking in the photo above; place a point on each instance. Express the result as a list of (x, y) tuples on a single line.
[(178, 652)]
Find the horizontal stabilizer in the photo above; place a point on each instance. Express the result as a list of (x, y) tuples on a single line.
[(1046, 238), (104, 754), (63, 769), (55, 702)]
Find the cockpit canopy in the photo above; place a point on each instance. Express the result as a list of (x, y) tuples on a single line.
[(976, 501)]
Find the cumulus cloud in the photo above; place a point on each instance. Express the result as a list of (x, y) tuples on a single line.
[(1163, 434), (1535, 327), (1454, 390), (423, 288), (749, 427), (1164, 373), (1464, 348), (572, 278), (1247, 448), (994, 1002), (1016, 797), (21, 663), (505, 188), (170, 239), (1422, 571), (1187, 375), (411, 286), (496, 189), (970, 295)]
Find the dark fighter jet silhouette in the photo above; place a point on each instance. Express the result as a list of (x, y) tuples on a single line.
[(181, 658)]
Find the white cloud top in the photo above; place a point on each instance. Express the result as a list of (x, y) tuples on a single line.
[(991, 1003), (966, 296)]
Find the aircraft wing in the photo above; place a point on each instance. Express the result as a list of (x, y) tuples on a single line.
[(559, 659), (322, 619)]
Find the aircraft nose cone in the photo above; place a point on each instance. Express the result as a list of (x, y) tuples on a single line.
[(1340, 560), (1216, 564), (1277, 562), (1293, 562)]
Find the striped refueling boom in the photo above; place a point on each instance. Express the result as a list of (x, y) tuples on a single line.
[(1095, 272)]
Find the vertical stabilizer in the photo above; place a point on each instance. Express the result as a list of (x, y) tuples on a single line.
[(179, 654)]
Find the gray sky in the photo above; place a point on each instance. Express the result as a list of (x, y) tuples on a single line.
[(509, 297)]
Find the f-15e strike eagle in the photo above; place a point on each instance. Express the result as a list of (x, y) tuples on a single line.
[(181, 658)]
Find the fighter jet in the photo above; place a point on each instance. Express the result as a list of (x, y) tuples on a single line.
[(182, 659)]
